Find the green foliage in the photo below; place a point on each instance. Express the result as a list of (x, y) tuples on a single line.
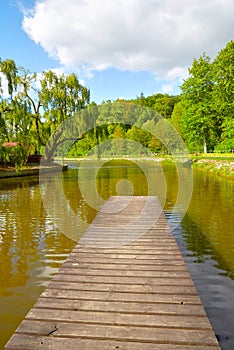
[(208, 102), (4, 155), (163, 104), (119, 142), (61, 96), (176, 117), (224, 94), (14, 155), (9, 69), (198, 124), (37, 105), (139, 135), (19, 156)]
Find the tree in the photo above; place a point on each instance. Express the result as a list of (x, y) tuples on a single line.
[(61, 97), (38, 104), (154, 144), (3, 126), (141, 137), (165, 105), (119, 142), (14, 121), (199, 119), (149, 101), (224, 93), (177, 116), (9, 69)]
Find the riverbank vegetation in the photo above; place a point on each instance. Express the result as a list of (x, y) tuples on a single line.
[(224, 168), (35, 105)]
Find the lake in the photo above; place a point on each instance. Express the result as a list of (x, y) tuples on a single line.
[(32, 246)]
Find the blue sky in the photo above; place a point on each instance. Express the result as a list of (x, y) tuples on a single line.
[(118, 49), (15, 43)]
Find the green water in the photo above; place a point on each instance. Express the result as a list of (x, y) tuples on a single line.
[(32, 248)]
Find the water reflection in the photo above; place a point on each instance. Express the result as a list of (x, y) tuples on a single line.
[(209, 271), (206, 240), (211, 209), (32, 249), (201, 249)]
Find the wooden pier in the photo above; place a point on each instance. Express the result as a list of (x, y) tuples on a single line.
[(125, 286)]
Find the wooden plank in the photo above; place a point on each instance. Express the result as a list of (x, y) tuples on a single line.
[(75, 270), (128, 280), (121, 306), (64, 282), (143, 262), (131, 333), (29, 342), (132, 256), (115, 296), (121, 319), (124, 286), (122, 267)]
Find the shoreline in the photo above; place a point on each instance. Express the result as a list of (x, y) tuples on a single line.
[(223, 168), (31, 170)]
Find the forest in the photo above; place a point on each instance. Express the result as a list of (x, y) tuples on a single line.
[(35, 106)]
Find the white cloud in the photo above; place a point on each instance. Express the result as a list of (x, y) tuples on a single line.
[(167, 88), (176, 73), (160, 36)]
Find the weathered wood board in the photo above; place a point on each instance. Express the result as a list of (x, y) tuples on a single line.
[(124, 286)]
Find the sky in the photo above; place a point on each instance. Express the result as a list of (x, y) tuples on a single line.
[(117, 48)]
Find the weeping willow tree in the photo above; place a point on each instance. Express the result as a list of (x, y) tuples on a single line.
[(37, 104)]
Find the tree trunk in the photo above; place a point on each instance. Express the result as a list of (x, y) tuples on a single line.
[(52, 145), (205, 145)]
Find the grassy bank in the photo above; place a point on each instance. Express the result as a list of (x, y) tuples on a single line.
[(222, 165)]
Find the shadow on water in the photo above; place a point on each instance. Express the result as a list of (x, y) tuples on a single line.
[(213, 278), (18, 182)]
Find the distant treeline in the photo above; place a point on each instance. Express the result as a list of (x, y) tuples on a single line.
[(36, 104)]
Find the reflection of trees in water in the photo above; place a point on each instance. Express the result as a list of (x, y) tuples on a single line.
[(26, 236), (208, 225), (31, 250), (211, 209), (202, 248), (12, 183), (74, 197), (101, 179), (22, 215)]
